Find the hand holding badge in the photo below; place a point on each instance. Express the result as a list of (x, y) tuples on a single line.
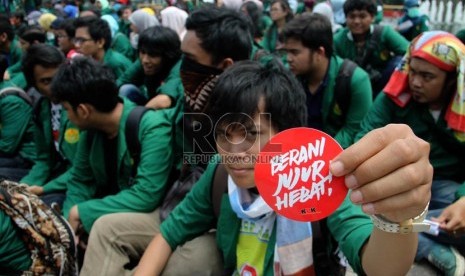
[(295, 180)]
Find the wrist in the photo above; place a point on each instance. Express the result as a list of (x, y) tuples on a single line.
[(414, 225)]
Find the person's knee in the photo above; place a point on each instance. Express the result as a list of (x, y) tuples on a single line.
[(199, 256)]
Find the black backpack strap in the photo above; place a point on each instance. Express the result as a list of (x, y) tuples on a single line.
[(220, 186), (17, 92), (37, 100), (132, 136), (342, 92), (372, 44)]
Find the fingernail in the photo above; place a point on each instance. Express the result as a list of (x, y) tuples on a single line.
[(337, 168), (351, 181), (368, 209), (356, 197)]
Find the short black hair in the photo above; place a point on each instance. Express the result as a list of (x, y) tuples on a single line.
[(5, 27), (313, 30), (32, 34), (85, 80), (241, 87), (19, 14), (97, 28), (45, 55), (223, 33), (68, 26), (352, 5), (163, 42)]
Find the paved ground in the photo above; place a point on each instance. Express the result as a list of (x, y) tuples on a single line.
[(418, 269), (423, 269)]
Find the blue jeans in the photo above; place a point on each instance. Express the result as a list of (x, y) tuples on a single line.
[(14, 168), (54, 198), (133, 93), (442, 195)]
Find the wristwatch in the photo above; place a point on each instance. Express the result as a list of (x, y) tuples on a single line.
[(415, 224)]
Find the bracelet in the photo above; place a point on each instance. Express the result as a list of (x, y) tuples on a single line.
[(412, 225)]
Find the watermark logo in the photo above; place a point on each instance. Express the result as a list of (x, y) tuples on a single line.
[(237, 136)]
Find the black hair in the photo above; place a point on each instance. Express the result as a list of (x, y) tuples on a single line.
[(19, 14), (223, 33), (285, 6), (5, 27), (68, 25), (352, 5), (32, 34), (85, 80), (97, 28), (313, 30), (242, 86), (254, 14), (163, 42), (41, 54)]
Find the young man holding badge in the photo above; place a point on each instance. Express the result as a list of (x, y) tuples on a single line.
[(384, 180)]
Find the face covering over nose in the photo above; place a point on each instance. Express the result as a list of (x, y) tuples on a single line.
[(198, 81)]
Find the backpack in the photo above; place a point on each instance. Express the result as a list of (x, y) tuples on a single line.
[(17, 92), (374, 74), (325, 262), (45, 232), (342, 92)]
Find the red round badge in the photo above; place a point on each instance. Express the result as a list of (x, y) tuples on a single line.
[(292, 174)]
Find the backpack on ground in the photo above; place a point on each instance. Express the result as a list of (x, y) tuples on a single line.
[(45, 232)]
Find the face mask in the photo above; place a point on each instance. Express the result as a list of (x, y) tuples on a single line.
[(198, 81), (134, 39), (413, 12)]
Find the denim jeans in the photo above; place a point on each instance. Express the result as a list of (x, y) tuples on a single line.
[(14, 168), (442, 195), (133, 93), (54, 198)]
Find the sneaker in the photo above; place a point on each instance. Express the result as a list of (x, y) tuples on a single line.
[(447, 259)]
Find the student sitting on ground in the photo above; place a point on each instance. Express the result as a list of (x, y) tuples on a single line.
[(390, 191)]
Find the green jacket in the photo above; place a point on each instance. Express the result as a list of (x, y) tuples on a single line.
[(194, 216), (88, 175), (171, 85), (50, 163), (14, 255), (270, 39), (461, 35), (122, 45), (16, 128), (14, 58), (420, 26), (116, 62), (447, 154), (18, 80), (343, 128), (390, 42)]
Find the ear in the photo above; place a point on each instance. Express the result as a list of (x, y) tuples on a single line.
[(100, 43), (3, 37), (227, 62), (321, 52), (84, 111)]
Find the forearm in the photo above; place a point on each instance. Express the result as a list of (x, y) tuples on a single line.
[(389, 254), (155, 257)]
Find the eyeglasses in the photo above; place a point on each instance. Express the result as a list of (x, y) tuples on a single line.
[(61, 36), (80, 40)]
